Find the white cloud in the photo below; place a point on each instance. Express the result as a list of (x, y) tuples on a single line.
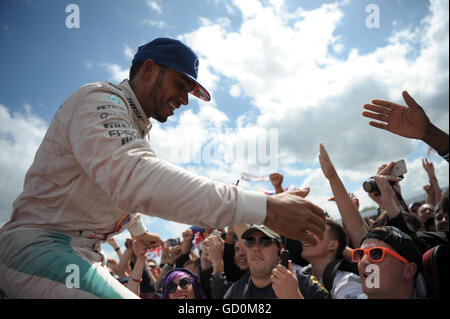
[(20, 136), (155, 23), (154, 6), (117, 74), (128, 52), (284, 62), (235, 90)]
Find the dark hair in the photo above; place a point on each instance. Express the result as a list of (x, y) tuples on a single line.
[(135, 67), (413, 222), (338, 233)]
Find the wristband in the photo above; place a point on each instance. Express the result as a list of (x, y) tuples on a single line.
[(137, 280), (116, 249)]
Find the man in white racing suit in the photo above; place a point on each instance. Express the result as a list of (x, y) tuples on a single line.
[(95, 170)]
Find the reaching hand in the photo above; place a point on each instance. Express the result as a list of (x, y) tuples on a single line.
[(387, 195), (325, 163), (151, 240), (294, 217), (139, 248), (276, 179), (214, 248), (186, 244), (174, 254), (285, 283), (429, 168), (410, 121)]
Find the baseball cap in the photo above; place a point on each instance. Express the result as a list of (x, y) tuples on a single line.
[(400, 241), (175, 55), (266, 230)]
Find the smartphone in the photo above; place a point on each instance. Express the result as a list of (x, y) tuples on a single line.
[(174, 242), (285, 258), (399, 168), (216, 233)]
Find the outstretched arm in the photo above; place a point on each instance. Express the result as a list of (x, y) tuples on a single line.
[(294, 217), (351, 217), (409, 121)]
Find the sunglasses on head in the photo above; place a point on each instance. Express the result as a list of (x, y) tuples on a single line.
[(265, 241), (375, 254), (184, 284)]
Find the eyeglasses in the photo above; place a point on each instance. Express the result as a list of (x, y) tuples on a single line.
[(265, 241), (184, 284), (375, 254)]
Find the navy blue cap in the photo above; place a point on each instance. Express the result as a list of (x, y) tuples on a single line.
[(175, 55)]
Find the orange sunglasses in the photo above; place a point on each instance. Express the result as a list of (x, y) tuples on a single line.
[(375, 254)]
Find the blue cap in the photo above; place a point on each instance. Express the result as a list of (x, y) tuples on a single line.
[(175, 55)]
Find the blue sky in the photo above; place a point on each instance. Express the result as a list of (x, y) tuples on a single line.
[(304, 68)]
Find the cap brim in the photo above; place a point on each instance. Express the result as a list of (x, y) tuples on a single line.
[(265, 231), (199, 91)]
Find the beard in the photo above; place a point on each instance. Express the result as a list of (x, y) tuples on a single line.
[(157, 98)]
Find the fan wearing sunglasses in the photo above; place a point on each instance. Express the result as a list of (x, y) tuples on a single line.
[(263, 256), (398, 264), (180, 283)]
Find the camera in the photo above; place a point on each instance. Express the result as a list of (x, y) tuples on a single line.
[(370, 186)]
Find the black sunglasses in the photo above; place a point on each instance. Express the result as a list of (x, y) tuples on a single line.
[(184, 284), (265, 241)]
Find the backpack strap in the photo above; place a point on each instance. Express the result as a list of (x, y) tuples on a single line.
[(330, 272)]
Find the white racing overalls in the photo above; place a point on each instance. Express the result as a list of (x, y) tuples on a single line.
[(92, 174)]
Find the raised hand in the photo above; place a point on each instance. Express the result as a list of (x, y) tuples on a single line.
[(325, 163), (151, 240), (276, 179), (408, 121), (428, 167), (285, 283)]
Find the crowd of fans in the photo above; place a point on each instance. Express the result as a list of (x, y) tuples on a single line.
[(402, 254), (243, 261)]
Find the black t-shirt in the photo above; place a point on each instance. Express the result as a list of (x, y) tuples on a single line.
[(245, 289)]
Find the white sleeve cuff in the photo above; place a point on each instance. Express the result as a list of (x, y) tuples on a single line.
[(137, 228), (251, 208)]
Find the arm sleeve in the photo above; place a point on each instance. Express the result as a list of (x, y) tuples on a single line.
[(122, 164)]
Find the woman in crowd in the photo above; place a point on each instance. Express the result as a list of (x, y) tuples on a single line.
[(181, 283)]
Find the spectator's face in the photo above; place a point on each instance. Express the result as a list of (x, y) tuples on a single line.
[(425, 212), (381, 279), (180, 293), (441, 221), (261, 260), (415, 208), (240, 255), (322, 248)]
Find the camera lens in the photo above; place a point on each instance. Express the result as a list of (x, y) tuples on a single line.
[(370, 186)]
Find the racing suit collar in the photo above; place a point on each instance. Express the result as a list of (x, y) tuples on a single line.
[(141, 119)]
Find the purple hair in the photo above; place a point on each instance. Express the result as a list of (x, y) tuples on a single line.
[(178, 272)]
